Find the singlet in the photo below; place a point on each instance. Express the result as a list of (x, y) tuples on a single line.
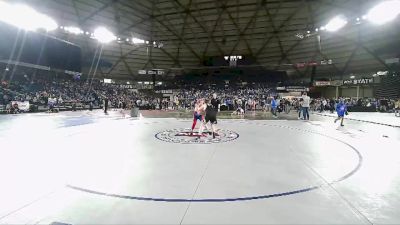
[(215, 103), (210, 111)]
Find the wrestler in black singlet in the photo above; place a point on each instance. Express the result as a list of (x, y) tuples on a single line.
[(212, 110)]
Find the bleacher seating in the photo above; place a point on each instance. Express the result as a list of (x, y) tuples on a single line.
[(389, 88)]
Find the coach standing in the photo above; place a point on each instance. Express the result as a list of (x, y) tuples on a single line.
[(306, 106), (105, 103)]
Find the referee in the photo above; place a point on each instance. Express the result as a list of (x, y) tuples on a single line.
[(105, 104), (211, 113), (216, 104)]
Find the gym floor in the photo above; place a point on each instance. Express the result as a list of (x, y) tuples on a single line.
[(90, 168)]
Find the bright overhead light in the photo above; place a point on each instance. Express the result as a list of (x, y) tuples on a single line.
[(47, 23), (103, 35), (384, 12), (87, 32), (382, 73), (352, 77), (24, 17), (308, 32), (138, 41), (3, 4), (316, 29), (336, 24), (74, 30), (322, 28)]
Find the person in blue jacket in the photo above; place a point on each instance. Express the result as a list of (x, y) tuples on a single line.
[(341, 110), (274, 106)]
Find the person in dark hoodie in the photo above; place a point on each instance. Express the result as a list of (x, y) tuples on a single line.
[(211, 115), (105, 102)]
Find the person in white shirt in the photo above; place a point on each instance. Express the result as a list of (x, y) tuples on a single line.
[(306, 106), (323, 107)]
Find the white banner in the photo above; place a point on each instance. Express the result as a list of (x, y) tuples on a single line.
[(23, 106), (322, 83), (164, 91), (151, 72), (143, 72), (359, 81)]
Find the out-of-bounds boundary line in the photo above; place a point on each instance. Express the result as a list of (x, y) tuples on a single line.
[(358, 120)]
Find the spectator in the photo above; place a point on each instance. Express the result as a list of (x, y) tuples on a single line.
[(306, 106), (274, 105)]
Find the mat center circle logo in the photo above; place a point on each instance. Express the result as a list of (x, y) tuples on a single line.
[(186, 136)]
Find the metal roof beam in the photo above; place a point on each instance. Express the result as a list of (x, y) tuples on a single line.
[(202, 27), (105, 6), (227, 6), (280, 43), (170, 30), (288, 19), (362, 45), (183, 27), (178, 36), (122, 57), (242, 32), (222, 9)]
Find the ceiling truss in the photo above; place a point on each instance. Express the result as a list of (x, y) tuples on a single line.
[(193, 30)]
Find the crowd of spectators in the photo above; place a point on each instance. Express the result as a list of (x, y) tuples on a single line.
[(231, 98), (68, 92), (63, 92), (368, 104)]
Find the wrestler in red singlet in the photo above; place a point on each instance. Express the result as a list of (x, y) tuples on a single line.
[(199, 112)]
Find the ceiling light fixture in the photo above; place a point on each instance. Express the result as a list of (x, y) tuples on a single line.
[(138, 41), (384, 12), (74, 30), (25, 17), (103, 35), (336, 24)]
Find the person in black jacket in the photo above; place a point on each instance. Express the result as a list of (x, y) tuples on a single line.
[(211, 116), (332, 105), (105, 104), (212, 110)]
